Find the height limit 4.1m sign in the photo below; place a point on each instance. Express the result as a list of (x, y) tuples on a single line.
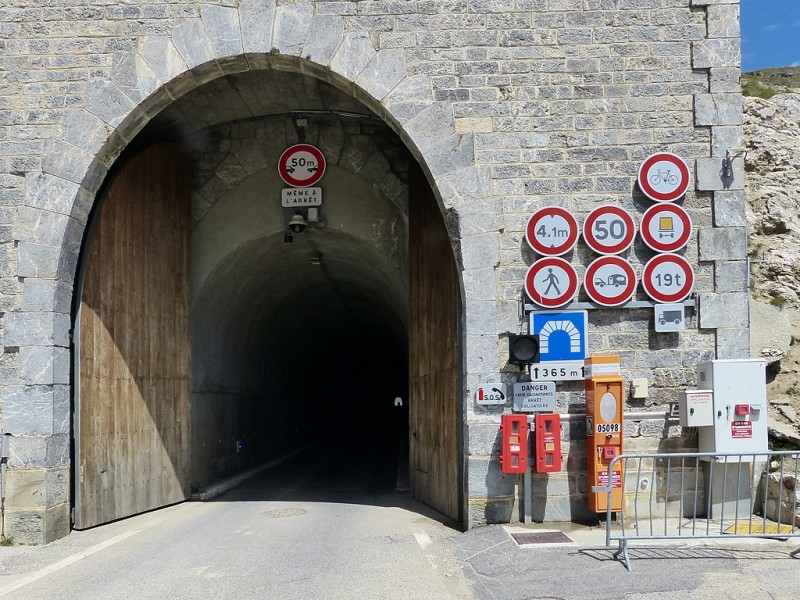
[(552, 231)]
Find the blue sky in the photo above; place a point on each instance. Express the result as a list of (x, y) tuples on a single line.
[(770, 33)]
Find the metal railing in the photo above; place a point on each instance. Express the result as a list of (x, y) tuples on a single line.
[(703, 495)]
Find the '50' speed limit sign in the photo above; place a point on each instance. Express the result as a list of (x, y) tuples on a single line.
[(609, 229)]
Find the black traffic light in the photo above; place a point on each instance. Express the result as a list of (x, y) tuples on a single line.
[(523, 349)]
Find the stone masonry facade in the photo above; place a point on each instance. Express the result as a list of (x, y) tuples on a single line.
[(509, 105)]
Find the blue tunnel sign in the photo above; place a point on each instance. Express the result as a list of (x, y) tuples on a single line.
[(562, 335)]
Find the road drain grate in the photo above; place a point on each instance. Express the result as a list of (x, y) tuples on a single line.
[(541, 537), (280, 513)]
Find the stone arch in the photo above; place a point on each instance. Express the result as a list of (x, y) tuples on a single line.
[(50, 225), (227, 40)]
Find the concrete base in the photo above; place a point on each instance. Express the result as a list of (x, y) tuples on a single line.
[(37, 509)]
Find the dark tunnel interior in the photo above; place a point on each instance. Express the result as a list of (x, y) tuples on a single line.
[(300, 343)]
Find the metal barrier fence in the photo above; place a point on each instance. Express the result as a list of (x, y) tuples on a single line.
[(703, 495)]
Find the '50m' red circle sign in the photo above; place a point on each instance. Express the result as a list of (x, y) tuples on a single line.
[(301, 165)]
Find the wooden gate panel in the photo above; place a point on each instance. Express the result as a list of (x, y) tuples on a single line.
[(434, 417), (132, 443)]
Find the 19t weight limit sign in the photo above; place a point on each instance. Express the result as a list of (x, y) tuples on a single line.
[(667, 278)]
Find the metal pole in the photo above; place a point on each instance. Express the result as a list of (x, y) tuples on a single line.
[(5, 452), (527, 501)]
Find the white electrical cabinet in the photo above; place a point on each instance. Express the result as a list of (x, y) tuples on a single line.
[(738, 406), (697, 408)]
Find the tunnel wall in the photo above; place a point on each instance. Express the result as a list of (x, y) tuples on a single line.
[(509, 105)]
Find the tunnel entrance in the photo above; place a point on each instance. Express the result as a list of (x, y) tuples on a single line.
[(342, 339)]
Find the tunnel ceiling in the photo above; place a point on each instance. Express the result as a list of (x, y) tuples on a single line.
[(250, 95)]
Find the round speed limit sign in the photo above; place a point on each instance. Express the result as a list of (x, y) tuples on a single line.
[(667, 278), (609, 229)]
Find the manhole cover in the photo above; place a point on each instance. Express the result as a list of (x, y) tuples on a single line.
[(541, 537), (280, 513)]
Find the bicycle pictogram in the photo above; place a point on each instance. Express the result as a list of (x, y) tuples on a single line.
[(665, 176)]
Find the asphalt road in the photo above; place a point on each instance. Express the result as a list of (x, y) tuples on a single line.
[(320, 531)]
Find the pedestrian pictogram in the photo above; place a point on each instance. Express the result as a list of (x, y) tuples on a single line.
[(663, 177), (666, 227), (667, 278), (551, 282), (552, 231), (609, 229), (301, 165), (610, 281)]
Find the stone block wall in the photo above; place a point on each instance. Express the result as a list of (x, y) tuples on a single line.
[(509, 105)]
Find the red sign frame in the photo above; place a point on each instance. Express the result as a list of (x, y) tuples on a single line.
[(591, 285), (549, 262), (656, 244), (284, 169), (657, 260), (533, 225), (590, 237), (644, 176)]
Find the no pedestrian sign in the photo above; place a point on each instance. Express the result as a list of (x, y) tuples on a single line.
[(667, 278), (663, 177), (552, 231), (610, 280), (551, 282), (301, 165)]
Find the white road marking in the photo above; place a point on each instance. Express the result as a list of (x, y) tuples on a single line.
[(30, 578), (423, 539)]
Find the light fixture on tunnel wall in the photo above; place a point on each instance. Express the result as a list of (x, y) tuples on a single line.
[(297, 223), (301, 220), (523, 349)]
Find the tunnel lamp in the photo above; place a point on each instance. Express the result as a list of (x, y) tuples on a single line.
[(523, 349), (297, 223)]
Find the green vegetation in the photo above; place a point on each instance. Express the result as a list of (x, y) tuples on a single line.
[(777, 301), (768, 82), (6, 541), (753, 87)]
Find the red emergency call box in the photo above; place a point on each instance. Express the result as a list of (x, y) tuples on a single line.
[(514, 435), (548, 443)]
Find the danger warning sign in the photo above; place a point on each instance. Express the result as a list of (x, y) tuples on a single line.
[(741, 429)]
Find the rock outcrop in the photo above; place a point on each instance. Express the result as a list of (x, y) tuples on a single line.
[(772, 134)]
